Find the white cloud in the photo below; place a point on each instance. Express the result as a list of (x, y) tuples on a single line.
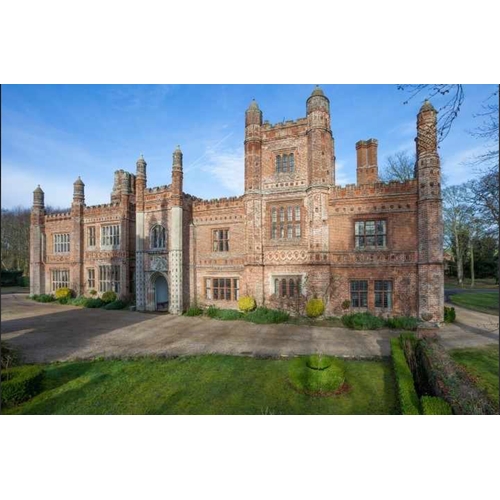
[(18, 185), (227, 165), (458, 167), (342, 175)]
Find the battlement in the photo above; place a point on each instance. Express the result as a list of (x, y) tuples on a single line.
[(375, 189), (104, 206), (288, 123), (157, 189), (231, 202), (57, 216)]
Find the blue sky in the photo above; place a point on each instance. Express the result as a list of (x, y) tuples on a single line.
[(51, 134)]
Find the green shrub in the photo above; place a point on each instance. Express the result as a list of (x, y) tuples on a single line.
[(449, 315), (115, 305), (63, 294), (402, 323), (229, 314), (94, 303), (346, 304), (212, 312), (435, 406), (264, 316), (109, 296), (79, 301), (92, 293), (362, 321), (315, 308), (246, 304), (326, 380), (408, 398), (9, 356), (10, 278), (44, 298), (21, 383), (194, 311), (450, 381)]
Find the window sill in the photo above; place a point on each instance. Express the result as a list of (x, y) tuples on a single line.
[(371, 249)]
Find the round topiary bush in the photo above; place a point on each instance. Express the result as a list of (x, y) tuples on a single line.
[(109, 296), (315, 308), (93, 293), (63, 294), (21, 383), (246, 304), (318, 362), (346, 304), (317, 375)]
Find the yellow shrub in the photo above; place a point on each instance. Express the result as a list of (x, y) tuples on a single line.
[(63, 293), (246, 303), (315, 308)]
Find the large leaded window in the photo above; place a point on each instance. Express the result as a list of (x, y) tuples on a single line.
[(383, 294), (359, 293), (287, 287), (91, 238), (222, 288), (110, 236), (370, 234), (109, 278), (91, 278), (61, 243), (158, 239), (285, 164), (220, 240), (60, 279), (285, 222)]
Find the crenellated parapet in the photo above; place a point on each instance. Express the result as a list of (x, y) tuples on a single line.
[(373, 190), (231, 202)]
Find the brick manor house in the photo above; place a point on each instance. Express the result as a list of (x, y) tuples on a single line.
[(292, 235)]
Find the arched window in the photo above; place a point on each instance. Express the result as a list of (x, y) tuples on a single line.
[(277, 287), (158, 237), (283, 287), (278, 164), (291, 286), (292, 163), (284, 167)]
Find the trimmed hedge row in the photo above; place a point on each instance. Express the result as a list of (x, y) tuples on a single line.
[(450, 381), (21, 383), (408, 398), (432, 405)]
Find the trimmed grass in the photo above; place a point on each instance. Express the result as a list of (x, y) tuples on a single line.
[(479, 283), (482, 365), (482, 302), (211, 384)]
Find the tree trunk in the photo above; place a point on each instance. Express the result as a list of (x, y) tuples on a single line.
[(472, 264), (460, 265)]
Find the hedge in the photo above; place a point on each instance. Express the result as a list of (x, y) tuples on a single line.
[(450, 381), (432, 405), (362, 321), (109, 296), (21, 383), (408, 398), (115, 305)]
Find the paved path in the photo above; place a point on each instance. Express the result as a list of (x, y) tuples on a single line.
[(52, 332)]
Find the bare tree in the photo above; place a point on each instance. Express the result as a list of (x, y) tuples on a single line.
[(398, 167), (454, 95), (457, 216)]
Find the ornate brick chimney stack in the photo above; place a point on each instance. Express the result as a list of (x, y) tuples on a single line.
[(37, 243), (176, 226), (367, 163), (430, 218), (77, 237), (140, 231), (253, 147), (321, 155)]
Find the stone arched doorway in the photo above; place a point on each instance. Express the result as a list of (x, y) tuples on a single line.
[(161, 293)]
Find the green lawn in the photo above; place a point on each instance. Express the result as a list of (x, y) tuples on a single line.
[(482, 364), (479, 283), (482, 302), (211, 384)]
